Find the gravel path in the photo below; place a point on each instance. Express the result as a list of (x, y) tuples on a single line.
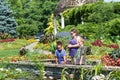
[(31, 49)]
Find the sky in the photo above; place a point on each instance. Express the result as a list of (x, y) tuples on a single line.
[(112, 0)]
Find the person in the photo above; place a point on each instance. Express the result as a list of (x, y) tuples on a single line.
[(73, 46), (60, 54), (80, 55)]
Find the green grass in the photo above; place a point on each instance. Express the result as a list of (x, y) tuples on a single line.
[(8, 53), (17, 44)]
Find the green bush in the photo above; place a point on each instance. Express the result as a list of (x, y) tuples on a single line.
[(27, 30), (100, 20)]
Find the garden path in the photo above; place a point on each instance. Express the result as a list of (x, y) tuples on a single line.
[(30, 47)]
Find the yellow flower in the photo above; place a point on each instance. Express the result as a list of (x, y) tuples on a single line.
[(32, 40)]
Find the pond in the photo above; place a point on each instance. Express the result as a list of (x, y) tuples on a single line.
[(51, 71)]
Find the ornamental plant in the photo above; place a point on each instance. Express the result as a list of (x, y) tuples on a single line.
[(112, 58), (97, 43), (100, 44), (115, 54), (7, 40)]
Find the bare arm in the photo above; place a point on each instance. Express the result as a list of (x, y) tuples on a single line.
[(79, 43), (56, 60), (64, 60)]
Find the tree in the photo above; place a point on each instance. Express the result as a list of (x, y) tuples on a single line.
[(7, 22), (50, 25), (33, 12), (101, 20)]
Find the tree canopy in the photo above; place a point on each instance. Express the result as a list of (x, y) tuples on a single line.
[(101, 20), (32, 12)]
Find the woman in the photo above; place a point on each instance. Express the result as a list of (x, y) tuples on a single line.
[(73, 46)]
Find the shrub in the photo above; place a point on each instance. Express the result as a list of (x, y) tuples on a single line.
[(46, 38)]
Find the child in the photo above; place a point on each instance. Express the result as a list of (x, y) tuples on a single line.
[(80, 55), (60, 54)]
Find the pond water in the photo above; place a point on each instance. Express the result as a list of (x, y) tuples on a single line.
[(55, 74)]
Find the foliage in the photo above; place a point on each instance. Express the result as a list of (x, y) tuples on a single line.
[(52, 47), (27, 30), (101, 13), (97, 20), (46, 38), (100, 44), (112, 59), (4, 35), (63, 74), (50, 25), (115, 54), (7, 22), (40, 66), (114, 25), (13, 56), (7, 74), (113, 75), (82, 73), (32, 13)]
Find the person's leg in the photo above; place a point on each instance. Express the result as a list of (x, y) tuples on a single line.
[(77, 61), (82, 59), (73, 60)]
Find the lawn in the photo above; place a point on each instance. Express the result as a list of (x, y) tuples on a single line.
[(17, 44), (9, 49), (8, 53)]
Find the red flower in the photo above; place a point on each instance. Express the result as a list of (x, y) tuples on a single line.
[(97, 43), (108, 61), (118, 62), (114, 46), (7, 40)]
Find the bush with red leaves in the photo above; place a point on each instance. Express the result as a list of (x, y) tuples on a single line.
[(100, 44), (108, 61), (114, 46), (118, 62), (97, 43)]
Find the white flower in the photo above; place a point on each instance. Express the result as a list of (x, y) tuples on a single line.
[(18, 69), (6, 70), (102, 76), (50, 77), (98, 77), (1, 69), (45, 77)]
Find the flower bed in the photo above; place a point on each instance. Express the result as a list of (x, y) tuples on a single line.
[(7, 40), (32, 40), (100, 44), (112, 58), (16, 44), (24, 58)]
